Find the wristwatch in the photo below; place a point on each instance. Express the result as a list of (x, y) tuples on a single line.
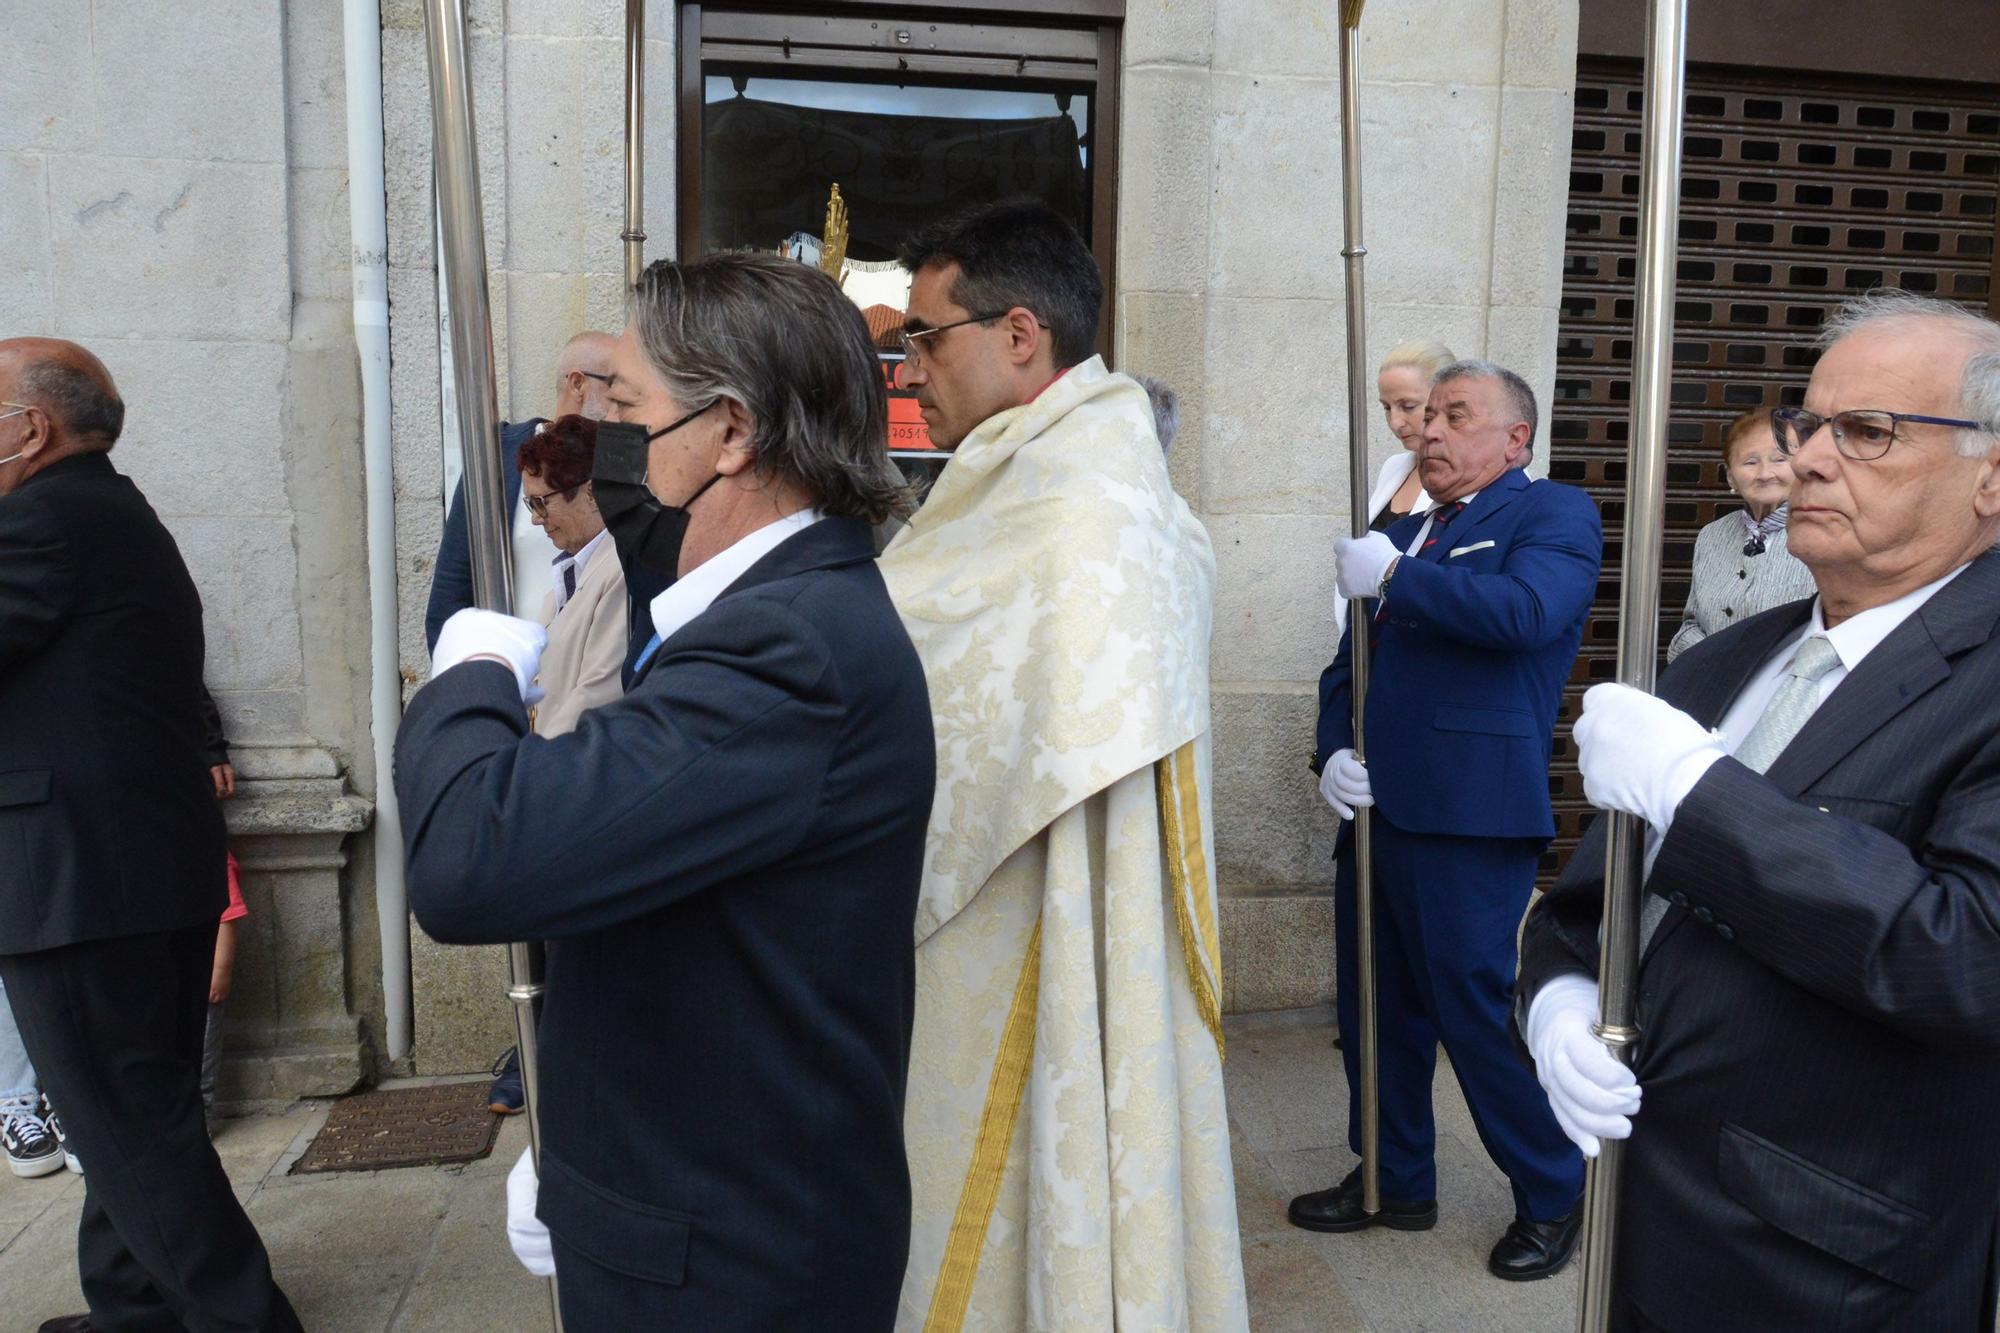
[(1382, 588)]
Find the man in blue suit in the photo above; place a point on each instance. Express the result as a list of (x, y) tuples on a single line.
[(725, 861), (1476, 612)]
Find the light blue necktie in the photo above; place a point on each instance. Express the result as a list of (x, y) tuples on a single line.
[(1782, 719)]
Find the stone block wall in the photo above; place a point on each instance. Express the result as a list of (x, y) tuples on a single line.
[(173, 194), (1230, 287)]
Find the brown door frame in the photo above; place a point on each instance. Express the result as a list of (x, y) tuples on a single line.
[(1099, 20)]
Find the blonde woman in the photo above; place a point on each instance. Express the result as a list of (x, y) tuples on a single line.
[(1403, 385)]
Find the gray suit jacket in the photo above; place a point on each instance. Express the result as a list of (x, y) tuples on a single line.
[(1820, 1008), (1729, 586)]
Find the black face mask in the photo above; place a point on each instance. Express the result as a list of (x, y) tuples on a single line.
[(647, 533)]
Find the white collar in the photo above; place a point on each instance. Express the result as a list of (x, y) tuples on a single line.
[(581, 561), (691, 594), (584, 552), (1858, 635)]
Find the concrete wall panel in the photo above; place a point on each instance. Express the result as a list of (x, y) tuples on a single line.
[(47, 99), (164, 248), (26, 299), (195, 79)]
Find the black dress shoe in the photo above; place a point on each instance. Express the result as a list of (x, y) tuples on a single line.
[(69, 1323), (1533, 1250), (1339, 1209)]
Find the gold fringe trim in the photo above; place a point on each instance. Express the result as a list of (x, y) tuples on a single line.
[(1187, 869), (981, 1191)]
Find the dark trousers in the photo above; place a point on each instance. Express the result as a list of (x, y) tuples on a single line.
[(114, 1028), (1447, 912)]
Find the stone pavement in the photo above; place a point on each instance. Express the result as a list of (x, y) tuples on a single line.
[(424, 1250)]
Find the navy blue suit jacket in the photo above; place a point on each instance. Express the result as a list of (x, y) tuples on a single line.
[(1480, 633), (1819, 1010), (451, 577), (109, 824), (726, 863)]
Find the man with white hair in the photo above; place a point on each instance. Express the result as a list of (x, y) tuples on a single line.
[(1819, 987)]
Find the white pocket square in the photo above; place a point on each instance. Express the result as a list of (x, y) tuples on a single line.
[(1457, 551)]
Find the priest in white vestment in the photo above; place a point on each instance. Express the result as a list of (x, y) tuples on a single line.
[(1068, 1140)]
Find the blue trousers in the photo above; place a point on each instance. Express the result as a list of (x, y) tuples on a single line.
[(1446, 915)]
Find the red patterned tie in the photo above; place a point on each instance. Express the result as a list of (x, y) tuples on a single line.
[(1441, 521)]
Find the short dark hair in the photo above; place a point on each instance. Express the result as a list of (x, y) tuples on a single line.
[(561, 452), (71, 395), (781, 339), (1019, 253)]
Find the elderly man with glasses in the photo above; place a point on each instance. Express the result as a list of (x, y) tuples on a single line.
[(1819, 986)]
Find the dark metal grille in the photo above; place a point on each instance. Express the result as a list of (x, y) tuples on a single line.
[(1797, 192)]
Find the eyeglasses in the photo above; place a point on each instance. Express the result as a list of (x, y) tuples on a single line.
[(913, 351), (19, 408), (538, 505), (593, 375), (1861, 435)]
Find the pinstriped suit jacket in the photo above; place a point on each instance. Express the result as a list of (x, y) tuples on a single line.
[(1820, 1142)]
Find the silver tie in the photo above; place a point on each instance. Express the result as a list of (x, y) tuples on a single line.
[(1783, 718)]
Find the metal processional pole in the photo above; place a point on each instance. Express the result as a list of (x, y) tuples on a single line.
[(634, 235), (1638, 599), (1358, 416), (462, 271)]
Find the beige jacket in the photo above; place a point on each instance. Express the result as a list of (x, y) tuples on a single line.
[(580, 668)]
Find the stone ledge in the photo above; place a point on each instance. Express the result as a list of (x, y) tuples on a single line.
[(253, 813), (254, 1076), (261, 762)]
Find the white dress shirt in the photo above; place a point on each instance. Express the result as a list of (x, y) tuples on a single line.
[(693, 592), (1417, 543), (1853, 639), (564, 560), (532, 552)]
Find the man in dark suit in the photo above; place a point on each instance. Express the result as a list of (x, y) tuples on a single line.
[(1819, 992), (111, 855), (726, 861), (1479, 608), (582, 372)]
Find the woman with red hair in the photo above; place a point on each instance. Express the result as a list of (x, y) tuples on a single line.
[(584, 611)]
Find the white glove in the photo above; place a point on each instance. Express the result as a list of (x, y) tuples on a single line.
[(525, 1231), (1343, 782), (1640, 755), (1592, 1093), (473, 632), (1360, 562)]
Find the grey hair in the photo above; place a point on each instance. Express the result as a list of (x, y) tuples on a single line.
[(778, 338), (1166, 409), (1979, 383), (74, 398), (1516, 387)]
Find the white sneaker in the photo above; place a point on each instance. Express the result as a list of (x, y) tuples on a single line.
[(62, 1139), (31, 1149)]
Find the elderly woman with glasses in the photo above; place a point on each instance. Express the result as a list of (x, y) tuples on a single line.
[(584, 611), (1741, 565)]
